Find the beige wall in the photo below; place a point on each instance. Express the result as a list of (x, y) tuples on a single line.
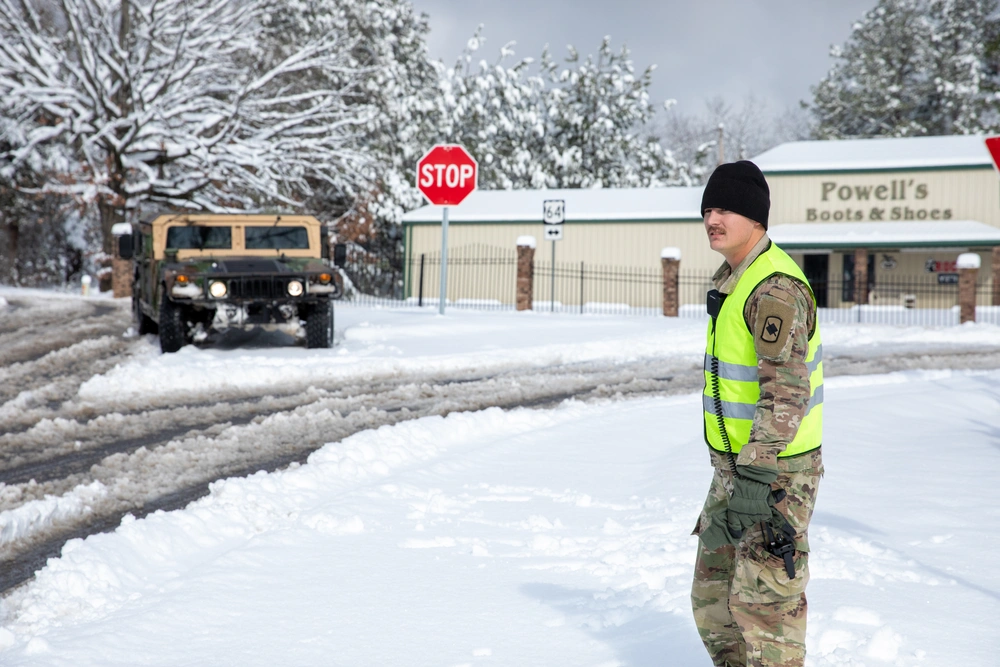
[(610, 244), (956, 194), (595, 244)]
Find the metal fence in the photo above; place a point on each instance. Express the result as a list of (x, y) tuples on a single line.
[(485, 278), (922, 300), (602, 289), (479, 277), (374, 276)]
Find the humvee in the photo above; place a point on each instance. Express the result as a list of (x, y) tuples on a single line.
[(194, 274)]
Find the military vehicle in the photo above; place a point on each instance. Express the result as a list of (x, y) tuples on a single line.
[(194, 274)]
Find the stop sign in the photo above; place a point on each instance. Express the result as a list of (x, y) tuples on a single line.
[(993, 146), (446, 175)]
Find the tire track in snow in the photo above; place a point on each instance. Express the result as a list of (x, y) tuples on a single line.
[(76, 434), (55, 377), (173, 473), (38, 327)]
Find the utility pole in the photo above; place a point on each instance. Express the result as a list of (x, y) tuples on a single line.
[(722, 152)]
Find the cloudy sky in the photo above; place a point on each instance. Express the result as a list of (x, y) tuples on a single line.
[(774, 49)]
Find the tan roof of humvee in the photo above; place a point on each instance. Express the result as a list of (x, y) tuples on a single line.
[(237, 221)]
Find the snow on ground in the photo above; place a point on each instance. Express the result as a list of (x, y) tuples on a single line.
[(531, 536), (541, 537), (374, 343), (390, 343)]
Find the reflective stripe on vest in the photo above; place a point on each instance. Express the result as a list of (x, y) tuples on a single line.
[(749, 373), (739, 389), (731, 410)]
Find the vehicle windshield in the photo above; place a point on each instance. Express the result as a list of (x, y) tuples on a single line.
[(199, 237), (277, 238)]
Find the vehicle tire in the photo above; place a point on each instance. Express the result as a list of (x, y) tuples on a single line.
[(172, 326), (143, 323), (319, 326)]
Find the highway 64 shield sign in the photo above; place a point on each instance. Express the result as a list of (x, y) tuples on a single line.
[(553, 211)]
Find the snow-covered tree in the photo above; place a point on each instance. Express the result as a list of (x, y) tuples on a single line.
[(394, 76), (599, 112), (912, 68), (498, 113), (172, 102), (126, 105), (582, 125), (962, 59), (45, 238)]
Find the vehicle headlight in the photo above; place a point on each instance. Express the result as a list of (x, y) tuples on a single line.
[(295, 288), (217, 289)]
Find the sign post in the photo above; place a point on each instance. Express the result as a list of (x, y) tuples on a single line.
[(446, 175), (443, 290), (553, 216)]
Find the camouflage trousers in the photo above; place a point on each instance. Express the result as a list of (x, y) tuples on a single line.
[(748, 612)]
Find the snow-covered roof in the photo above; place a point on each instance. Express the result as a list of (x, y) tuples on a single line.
[(952, 233), (672, 203), (866, 154)]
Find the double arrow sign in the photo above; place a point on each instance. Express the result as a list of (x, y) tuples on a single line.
[(553, 215)]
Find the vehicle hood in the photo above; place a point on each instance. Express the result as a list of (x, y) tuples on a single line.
[(251, 265)]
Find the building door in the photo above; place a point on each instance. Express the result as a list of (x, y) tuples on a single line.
[(817, 270)]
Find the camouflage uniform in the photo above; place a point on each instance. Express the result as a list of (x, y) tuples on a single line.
[(747, 610)]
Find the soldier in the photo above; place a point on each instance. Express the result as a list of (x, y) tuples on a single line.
[(763, 411)]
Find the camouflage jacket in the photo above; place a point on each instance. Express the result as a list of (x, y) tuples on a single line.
[(784, 379)]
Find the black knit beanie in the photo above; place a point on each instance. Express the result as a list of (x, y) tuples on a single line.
[(738, 187)]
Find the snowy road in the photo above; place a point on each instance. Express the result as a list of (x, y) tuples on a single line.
[(160, 450), (95, 425)]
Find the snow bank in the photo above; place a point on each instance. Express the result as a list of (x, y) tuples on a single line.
[(98, 576), (36, 514)]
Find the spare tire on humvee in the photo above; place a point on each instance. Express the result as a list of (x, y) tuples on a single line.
[(199, 273)]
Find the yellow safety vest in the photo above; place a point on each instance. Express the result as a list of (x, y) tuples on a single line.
[(730, 346)]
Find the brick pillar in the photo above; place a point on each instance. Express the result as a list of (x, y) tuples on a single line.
[(861, 276), (996, 275), (525, 271), (121, 277), (121, 269), (670, 258), (968, 271)]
